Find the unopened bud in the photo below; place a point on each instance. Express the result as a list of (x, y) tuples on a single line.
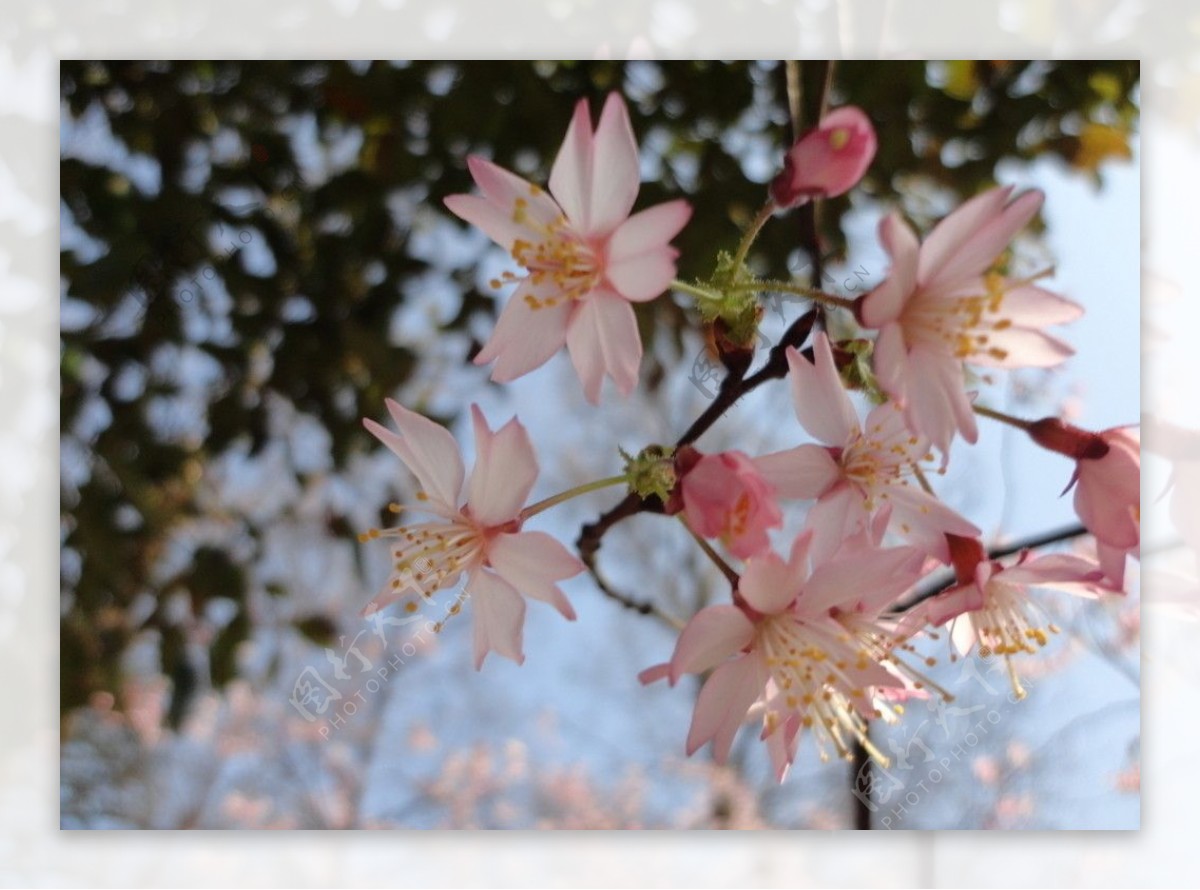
[(1055, 435), (965, 555), (827, 161)]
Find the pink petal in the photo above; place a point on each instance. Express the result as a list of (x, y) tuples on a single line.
[(781, 746), (769, 584), (867, 576), (890, 360), (1022, 348), (712, 636), (886, 302), (1034, 307), (615, 175), (837, 515), (428, 450), (722, 705), (499, 617), (1052, 569), (949, 235), (504, 189), (937, 399), (532, 562), (525, 338), (954, 602), (603, 339), (497, 223), (571, 175), (925, 520), (505, 469), (1112, 563), (654, 673), (641, 264), (980, 249), (821, 403), (893, 442), (804, 472)]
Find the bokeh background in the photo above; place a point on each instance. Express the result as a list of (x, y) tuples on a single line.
[(254, 255)]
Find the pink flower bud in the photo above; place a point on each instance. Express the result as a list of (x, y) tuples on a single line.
[(827, 161), (724, 496), (1070, 441)]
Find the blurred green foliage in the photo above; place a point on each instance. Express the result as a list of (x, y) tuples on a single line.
[(713, 132)]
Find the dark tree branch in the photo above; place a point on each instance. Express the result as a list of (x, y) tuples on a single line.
[(860, 779)]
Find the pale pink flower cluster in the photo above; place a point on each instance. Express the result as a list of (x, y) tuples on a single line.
[(818, 641)]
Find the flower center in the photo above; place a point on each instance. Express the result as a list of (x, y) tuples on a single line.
[(839, 138), (428, 556), (1009, 623), (560, 261), (878, 457), (962, 325), (825, 674)]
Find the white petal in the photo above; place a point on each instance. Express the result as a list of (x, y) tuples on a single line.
[(428, 450), (615, 176), (804, 472), (822, 405), (603, 339), (712, 636), (525, 338), (504, 472), (499, 617), (533, 562)]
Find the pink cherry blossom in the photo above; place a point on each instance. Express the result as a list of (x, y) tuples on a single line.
[(1108, 498), (478, 529), (1108, 471), (808, 650), (585, 257), (990, 605), (725, 497), (826, 161), (941, 307), (860, 468)]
